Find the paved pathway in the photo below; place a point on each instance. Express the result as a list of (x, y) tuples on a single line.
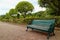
[(17, 32)]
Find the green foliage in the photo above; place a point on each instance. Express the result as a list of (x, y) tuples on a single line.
[(53, 8), (29, 17), (40, 13), (24, 6), (7, 16), (1, 17), (50, 11), (13, 11), (18, 16), (53, 4)]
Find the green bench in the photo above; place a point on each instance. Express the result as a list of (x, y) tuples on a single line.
[(42, 25)]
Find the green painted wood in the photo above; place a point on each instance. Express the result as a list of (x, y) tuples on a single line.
[(44, 25)]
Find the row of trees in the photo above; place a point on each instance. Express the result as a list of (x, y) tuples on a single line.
[(23, 8), (19, 13)]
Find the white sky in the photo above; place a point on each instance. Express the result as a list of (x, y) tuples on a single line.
[(6, 5)]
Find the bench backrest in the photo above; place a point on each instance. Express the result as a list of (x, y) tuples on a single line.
[(43, 22)]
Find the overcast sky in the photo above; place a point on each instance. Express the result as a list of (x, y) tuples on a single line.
[(6, 5)]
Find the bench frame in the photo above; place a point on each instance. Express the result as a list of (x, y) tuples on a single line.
[(49, 32)]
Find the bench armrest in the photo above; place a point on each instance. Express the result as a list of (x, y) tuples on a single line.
[(52, 26), (30, 22)]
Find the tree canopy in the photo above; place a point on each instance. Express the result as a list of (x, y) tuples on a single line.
[(24, 7), (51, 4), (13, 11)]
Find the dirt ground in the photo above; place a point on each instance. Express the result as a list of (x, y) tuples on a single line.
[(18, 32)]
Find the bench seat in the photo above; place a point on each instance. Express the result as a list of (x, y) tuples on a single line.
[(38, 27)]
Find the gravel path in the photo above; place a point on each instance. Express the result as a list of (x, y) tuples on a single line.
[(17, 32)]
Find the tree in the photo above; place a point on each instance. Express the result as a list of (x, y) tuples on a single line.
[(7, 16), (18, 16), (13, 12), (51, 4), (23, 7), (38, 14)]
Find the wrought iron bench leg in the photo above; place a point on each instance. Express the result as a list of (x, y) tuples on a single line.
[(27, 29), (53, 34), (32, 29), (48, 36)]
